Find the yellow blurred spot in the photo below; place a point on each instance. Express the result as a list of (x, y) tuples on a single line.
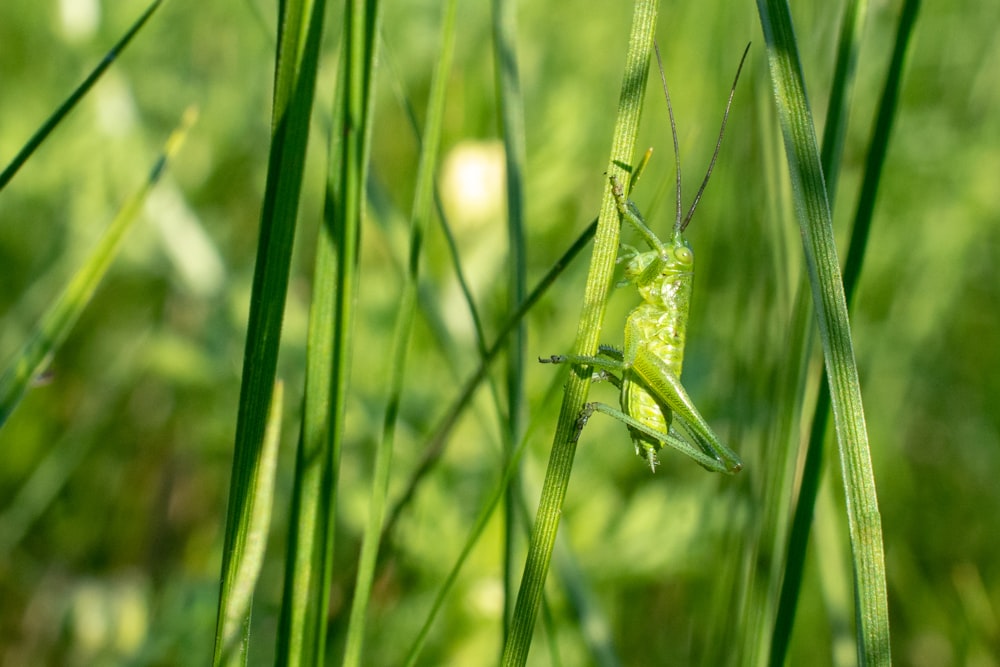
[(472, 184)]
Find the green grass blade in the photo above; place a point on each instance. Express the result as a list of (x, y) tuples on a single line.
[(422, 204), (298, 52), (63, 110), (838, 110), (235, 616), (813, 213), (309, 564), (347, 181), (58, 321), (302, 622), (509, 100), (875, 161), (598, 282)]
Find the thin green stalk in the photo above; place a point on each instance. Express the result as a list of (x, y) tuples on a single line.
[(423, 199), (70, 102), (592, 317), (813, 213), (485, 513), (298, 53), (348, 182), (511, 116), (508, 95)]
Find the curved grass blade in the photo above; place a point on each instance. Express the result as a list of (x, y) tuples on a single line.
[(63, 110), (803, 334), (58, 321), (813, 213)]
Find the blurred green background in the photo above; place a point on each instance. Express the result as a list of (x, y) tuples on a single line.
[(114, 475)]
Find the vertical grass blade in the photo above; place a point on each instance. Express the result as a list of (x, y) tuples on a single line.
[(422, 203), (310, 560), (301, 24), (481, 522), (302, 622), (58, 321), (598, 281), (813, 213)]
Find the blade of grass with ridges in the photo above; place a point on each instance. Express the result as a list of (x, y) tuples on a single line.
[(58, 320), (592, 317), (861, 228), (299, 36), (422, 205), (813, 212), (804, 333)]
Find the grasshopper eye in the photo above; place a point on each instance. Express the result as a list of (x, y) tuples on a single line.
[(684, 255)]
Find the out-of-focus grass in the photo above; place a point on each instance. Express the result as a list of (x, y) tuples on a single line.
[(147, 383)]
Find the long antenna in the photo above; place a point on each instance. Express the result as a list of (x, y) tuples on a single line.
[(711, 165), (678, 226)]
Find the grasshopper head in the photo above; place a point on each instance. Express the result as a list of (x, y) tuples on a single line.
[(659, 275)]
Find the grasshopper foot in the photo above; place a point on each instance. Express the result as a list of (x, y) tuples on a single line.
[(554, 359), (582, 420)]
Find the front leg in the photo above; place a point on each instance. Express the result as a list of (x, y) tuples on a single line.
[(611, 361), (630, 212)]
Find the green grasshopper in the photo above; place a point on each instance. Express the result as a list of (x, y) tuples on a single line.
[(647, 373)]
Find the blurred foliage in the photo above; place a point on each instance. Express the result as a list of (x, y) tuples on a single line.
[(115, 473)]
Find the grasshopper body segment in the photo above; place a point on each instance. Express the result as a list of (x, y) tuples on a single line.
[(656, 328)]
